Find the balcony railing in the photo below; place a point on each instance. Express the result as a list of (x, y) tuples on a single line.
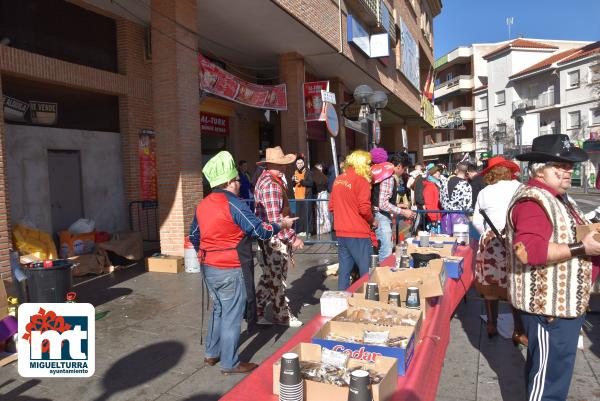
[(452, 82), (544, 100)]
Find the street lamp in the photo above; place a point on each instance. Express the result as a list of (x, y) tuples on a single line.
[(371, 103)]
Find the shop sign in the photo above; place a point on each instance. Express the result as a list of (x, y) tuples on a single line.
[(148, 171), (313, 102), (450, 120), (409, 63), (214, 124), (357, 126), (379, 45), (43, 113), (358, 35), (427, 110), (219, 82), (14, 109), (328, 97)]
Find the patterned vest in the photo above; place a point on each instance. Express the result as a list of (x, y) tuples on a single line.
[(559, 289)]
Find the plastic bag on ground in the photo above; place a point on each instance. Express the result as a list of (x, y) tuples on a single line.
[(82, 226)]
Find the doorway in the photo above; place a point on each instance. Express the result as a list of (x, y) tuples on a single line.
[(66, 193)]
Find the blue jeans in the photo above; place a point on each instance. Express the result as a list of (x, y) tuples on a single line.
[(351, 251), (228, 294), (384, 235)]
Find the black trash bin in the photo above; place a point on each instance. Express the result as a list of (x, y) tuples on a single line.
[(49, 284)]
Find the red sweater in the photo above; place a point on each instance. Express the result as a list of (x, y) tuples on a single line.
[(350, 203)]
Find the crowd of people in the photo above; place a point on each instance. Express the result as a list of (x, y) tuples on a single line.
[(528, 253)]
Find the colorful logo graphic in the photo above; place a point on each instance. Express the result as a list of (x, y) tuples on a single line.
[(56, 340)]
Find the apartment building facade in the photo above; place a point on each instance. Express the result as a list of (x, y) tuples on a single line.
[(502, 79), (119, 108)]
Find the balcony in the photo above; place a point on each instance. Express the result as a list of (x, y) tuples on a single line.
[(452, 146), (549, 131), (547, 99), (462, 83), (454, 118)]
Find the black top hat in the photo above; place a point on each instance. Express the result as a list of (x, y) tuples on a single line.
[(553, 148)]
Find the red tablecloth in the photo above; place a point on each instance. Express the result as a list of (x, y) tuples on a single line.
[(421, 381)]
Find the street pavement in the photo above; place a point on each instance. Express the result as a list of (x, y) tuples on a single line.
[(148, 347), (587, 202)]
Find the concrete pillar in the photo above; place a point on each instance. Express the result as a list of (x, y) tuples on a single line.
[(135, 113), (293, 128), (5, 240), (415, 141), (175, 102)]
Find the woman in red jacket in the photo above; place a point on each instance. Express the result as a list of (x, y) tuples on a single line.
[(431, 194)]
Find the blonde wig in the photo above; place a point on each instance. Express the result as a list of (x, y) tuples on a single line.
[(360, 160)]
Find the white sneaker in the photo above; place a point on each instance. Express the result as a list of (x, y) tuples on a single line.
[(294, 322), (301, 235)]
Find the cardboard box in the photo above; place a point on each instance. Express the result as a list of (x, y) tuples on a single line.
[(164, 264), (454, 266), (334, 302), (430, 281), (314, 391), (368, 352), (445, 250), (357, 303), (582, 230)]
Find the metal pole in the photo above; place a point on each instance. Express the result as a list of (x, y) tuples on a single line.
[(370, 133), (334, 156)]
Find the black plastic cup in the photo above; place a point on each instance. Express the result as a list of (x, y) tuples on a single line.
[(413, 300), (394, 298), (359, 386), (372, 292), (290, 370)]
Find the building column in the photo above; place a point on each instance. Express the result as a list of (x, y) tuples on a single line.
[(5, 240), (175, 99), (135, 113), (293, 127), (415, 141)]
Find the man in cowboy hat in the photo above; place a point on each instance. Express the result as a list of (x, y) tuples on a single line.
[(220, 233), (549, 271), (271, 206)]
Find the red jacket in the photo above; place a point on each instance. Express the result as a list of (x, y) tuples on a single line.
[(350, 203), (431, 193)]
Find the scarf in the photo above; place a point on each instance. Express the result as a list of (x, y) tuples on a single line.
[(433, 179)]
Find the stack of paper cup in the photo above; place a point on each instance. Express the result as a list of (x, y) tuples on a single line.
[(291, 387)]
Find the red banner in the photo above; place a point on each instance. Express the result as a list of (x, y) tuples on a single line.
[(147, 155), (219, 82), (313, 103), (214, 124)]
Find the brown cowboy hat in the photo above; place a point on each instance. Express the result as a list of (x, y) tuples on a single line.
[(276, 156)]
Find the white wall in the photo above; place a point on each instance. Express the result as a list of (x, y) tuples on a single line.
[(101, 169)]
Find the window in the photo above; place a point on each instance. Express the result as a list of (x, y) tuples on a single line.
[(484, 133), (501, 129), (594, 73), (595, 116), (500, 98), (574, 79), (574, 119), (483, 103), (449, 76)]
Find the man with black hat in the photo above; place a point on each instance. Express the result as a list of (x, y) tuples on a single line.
[(549, 271)]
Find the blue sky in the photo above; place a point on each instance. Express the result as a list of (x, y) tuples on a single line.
[(463, 22)]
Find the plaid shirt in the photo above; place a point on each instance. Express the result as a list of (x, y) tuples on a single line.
[(385, 193), (268, 198)]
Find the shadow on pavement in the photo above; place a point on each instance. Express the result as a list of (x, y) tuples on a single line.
[(140, 367), (592, 325), (15, 394), (503, 357)]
